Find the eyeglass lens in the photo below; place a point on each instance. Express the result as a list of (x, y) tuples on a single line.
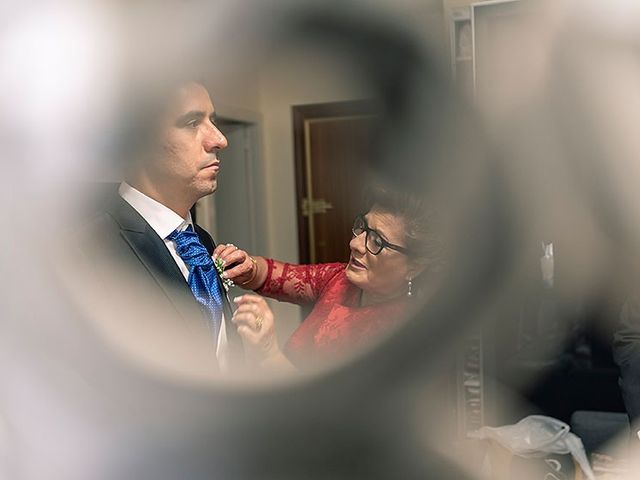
[(373, 242)]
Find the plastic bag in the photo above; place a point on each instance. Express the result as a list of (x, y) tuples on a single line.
[(537, 436)]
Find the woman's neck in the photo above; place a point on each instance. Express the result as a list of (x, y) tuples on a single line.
[(368, 299)]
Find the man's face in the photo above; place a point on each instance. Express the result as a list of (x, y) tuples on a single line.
[(189, 158)]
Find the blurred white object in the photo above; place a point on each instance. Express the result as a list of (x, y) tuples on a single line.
[(546, 264), (537, 436)]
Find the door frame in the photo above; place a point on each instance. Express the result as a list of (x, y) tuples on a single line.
[(302, 115), (252, 125)]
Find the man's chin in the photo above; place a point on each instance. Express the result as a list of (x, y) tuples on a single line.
[(209, 188)]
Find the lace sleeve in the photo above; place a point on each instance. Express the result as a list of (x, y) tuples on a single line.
[(297, 283)]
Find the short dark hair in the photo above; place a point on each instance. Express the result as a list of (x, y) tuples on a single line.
[(424, 235), (142, 109)]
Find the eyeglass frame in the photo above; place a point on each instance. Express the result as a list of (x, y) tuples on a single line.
[(385, 244)]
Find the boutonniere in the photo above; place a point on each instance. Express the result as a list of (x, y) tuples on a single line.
[(226, 283)]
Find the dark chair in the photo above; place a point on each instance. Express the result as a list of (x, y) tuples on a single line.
[(597, 429)]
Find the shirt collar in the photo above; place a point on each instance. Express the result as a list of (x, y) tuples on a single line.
[(162, 219)]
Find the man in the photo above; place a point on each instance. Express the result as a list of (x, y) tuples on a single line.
[(159, 294)]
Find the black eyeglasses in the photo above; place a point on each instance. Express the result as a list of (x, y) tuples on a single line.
[(373, 241)]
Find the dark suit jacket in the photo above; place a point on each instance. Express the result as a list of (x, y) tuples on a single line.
[(137, 273)]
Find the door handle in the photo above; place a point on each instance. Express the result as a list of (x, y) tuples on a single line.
[(315, 206)]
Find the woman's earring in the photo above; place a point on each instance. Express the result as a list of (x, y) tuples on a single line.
[(409, 287)]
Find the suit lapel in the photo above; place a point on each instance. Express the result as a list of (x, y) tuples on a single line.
[(153, 254)]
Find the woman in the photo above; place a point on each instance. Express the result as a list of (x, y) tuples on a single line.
[(394, 254)]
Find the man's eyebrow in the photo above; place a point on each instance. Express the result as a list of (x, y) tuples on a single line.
[(193, 114)]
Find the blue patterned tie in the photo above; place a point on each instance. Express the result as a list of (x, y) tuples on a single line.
[(203, 276)]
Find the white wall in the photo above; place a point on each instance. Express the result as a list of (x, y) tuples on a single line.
[(242, 91)]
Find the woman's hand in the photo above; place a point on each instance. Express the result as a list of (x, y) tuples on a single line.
[(256, 327), (244, 269)]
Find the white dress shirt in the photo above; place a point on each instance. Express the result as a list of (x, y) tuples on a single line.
[(163, 220)]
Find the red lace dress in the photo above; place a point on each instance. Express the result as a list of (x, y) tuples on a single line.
[(337, 323)]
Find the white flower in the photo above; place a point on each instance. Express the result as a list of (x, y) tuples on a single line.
[(226, 283)]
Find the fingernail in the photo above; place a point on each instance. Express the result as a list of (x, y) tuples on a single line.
[(224, 274), (237, 299)]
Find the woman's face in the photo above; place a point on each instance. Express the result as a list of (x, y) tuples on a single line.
[(385, 275)]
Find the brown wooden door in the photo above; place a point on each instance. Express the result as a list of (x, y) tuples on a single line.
[(333, 144)]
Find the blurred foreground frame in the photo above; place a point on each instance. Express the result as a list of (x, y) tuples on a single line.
[(374, 417)]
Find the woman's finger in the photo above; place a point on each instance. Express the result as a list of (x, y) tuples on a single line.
[(225, 247), (243, 269), (249, 308), (233, 256), (247, 319), (255, 324), (249, 298), (224, 250), (251, 313), (218, 250), (249, 334)]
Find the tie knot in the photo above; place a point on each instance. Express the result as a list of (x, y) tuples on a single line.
[(190, 249), (178, 235)]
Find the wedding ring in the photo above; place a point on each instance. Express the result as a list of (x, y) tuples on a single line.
[(259, 323)]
